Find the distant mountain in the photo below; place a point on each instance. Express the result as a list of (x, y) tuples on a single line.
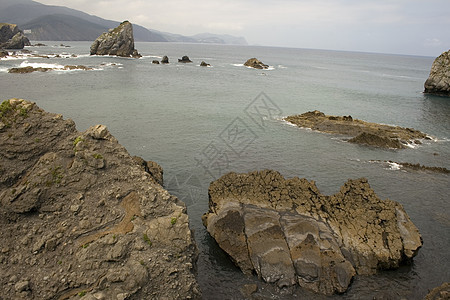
[(62, 28), (48, 22), (29, 14)]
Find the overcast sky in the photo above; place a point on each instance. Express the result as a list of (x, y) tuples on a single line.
[(417, 27)]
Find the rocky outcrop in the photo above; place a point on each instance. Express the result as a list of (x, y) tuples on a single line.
[(29, 69), (11, 37), (255, 63), (184, 59), (80, 217), (118, 41), (439, 293), (204, 64), (287, 232), (439, 80), (155, 62), (165, 60), (366, 133)]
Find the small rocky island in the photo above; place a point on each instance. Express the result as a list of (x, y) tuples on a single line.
[(118, 41), (184, 59), (438, 82), (288, 233), (80, 217), (362, 132), (255, 63), (11, 37)]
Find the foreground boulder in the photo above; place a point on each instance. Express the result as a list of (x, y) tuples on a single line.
[(11, 37), (80, 216), (255, 63), (362, 132), (439, 80), (287, 232), (439, 293), (118, 41)]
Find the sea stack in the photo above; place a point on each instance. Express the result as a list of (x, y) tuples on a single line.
[(118, 41), (438, 82), (11, 37)]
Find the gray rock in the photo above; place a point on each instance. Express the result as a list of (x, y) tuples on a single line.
[(438, 81), (118, 41), (11, 37), (107, 230), (287, 232), (22, 286)]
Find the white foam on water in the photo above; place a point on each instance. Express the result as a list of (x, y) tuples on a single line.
[(40, 65), (393, 166), (238, 65)]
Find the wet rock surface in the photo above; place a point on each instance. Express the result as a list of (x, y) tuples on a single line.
[(366, 133), (438, 82), (118, 41), (80, 217), (288, 233), (255, 63)]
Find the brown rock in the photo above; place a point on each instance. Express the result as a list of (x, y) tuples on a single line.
[(363, 132), (287, 232), (255, 63)]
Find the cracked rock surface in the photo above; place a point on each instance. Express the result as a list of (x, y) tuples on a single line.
[(80, 217), (288, 233)]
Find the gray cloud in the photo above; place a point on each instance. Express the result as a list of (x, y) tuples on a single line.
[(400, 26)]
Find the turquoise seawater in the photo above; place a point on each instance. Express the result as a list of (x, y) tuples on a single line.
[(200, 123)]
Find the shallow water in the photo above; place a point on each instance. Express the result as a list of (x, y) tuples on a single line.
[(199, 123)]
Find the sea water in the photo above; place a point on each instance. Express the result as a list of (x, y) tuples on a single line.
[(199, 123)]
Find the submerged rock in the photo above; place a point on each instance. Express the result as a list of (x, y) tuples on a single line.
[(118, 41), (80, 216), (439, 293), (363, 132), (185, 59), (438, 81), (11, 37), (156, 62), (255, 63), (287, 232)]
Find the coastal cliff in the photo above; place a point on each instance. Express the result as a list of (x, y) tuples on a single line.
[(288, 233), (81, 217), (438, 82), (118, 41)]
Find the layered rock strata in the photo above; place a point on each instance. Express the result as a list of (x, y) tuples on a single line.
[(288, 233)]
